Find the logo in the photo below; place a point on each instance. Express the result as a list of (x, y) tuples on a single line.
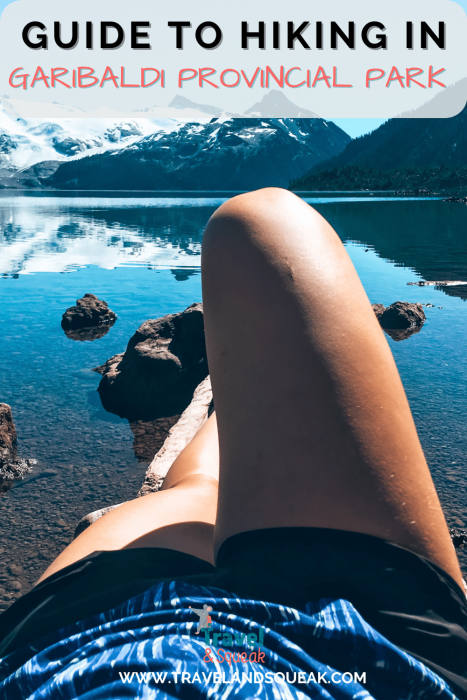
[(228, 639), (205, 620)]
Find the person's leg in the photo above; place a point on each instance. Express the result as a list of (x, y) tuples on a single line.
[(314, 426), (180, 516)]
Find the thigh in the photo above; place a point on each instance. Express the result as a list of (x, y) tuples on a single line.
[(314, 425), (181, 516)]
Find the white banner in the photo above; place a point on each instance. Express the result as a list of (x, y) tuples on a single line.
[(184, 59)]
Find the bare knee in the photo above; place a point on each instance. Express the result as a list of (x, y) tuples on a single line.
[(267, 203), (264, 226), (269, 196)]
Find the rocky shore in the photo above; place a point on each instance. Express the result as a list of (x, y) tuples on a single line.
[(12, 467)]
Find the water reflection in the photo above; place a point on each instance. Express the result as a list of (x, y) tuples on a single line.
[(399, 334), (63, 235), (425, 236), (91, 333), (181, 275)]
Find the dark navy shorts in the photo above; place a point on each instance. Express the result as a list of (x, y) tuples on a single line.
[(409, 600)]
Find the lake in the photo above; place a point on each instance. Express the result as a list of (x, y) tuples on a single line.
[(142, 255)]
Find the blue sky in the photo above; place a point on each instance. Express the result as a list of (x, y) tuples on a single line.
[(354, 127), (358, 127)]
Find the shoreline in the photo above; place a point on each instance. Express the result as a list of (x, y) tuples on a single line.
[(211, 194)]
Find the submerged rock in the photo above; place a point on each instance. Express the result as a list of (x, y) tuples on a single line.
[(149, 436), (15, 469), (157, 374), (89, 311), (180, 434)]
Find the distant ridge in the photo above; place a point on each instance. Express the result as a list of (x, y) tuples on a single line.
[(181, 102), (276, 104), (414, 152), (222, 154)]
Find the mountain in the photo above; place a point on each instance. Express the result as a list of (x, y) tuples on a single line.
[(276, 104), (33, 148), (180, 102), (401, 152), (211, 149), (223, 154)]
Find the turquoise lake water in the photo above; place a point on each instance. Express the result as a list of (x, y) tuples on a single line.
[(142, 256)]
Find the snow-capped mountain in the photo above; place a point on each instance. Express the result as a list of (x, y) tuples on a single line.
[(44, 143), (223, 154), (213, 150)]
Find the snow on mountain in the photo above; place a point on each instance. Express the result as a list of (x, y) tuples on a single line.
[(28, 142), (222, 154), (202, 148)]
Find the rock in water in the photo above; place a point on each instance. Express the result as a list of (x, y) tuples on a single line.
[(180, 434), (400, 320), (458, 537), (379, 310), (402, 315), (11, 467), (8, 438), (14, 470), (89, 311), (163, 364)]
